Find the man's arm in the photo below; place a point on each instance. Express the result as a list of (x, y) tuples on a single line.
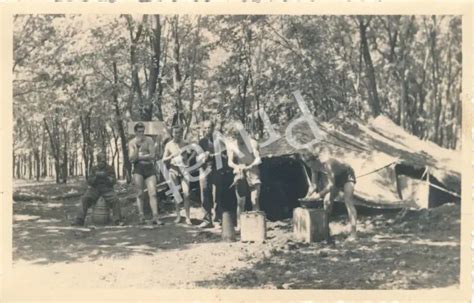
[(330, 182), (151, 154), (92, 177), (167, 156), (192, 155), (313, 182), (205, 156), (132, 151), (111, 175), (231, 155), (256, 154)]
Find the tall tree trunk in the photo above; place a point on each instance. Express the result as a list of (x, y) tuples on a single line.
[(30, 167), (76, 166), (103, 134), (34, 148), (14, 163), (420, 130), (403, 104), (72, 163), (127, 166), (119, 175), (373, 94), (54, 141), (193, 76), (155, 43), (51, 167), (135, 39), (437, 103), (177, 77), (23, 166), (85, 121), (37, 163), (44, 152), (44, 161), (116, 153), (65, 152), (18, 168)]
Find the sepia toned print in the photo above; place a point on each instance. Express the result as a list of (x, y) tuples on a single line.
[(263, 152)]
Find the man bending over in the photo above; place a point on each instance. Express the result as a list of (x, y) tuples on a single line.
[(340, 177)]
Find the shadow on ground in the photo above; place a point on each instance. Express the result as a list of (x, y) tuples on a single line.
[(42, 235), (403, 255), (420, 249)]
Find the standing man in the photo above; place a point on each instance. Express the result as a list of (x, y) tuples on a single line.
[(210, 179), (244, 159), (339, 177), (101, 183), (177, 161), (142, 155)]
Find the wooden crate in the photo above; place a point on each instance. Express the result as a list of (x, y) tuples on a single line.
[(310, 224), (253, 226)]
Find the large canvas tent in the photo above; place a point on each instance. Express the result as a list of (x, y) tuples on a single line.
[(394, 169)]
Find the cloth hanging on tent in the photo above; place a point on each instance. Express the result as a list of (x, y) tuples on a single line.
[(424, 174)]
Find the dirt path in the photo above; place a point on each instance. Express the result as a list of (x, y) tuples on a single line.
[(421, 251)]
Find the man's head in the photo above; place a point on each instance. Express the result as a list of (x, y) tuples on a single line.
[(319, 155), (308, 157), (139, 129), (208, 128), (238, 132), (177, 133), (323, 153)]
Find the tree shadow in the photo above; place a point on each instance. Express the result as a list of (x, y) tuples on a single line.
[(383, 258), (42, 235)]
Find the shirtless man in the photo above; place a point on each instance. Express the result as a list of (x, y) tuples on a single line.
[(245, 161), (142, 155), (340, 177), (171, 156)]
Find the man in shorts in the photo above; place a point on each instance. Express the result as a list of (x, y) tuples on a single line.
[(244, 159), (339, 177), (177, 160), (101, 181), (142, 155)]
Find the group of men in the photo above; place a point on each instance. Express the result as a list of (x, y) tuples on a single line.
[(240, 153)]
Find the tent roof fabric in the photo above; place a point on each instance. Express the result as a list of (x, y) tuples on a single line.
[(370, 146)]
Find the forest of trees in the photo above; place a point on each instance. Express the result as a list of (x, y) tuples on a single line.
[(79, 79)]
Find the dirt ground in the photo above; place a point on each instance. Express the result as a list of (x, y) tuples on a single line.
[(420, 250)]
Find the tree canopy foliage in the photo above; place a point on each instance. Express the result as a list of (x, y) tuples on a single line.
[(78, 79)]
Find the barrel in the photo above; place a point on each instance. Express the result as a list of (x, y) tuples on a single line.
[(101, 213)]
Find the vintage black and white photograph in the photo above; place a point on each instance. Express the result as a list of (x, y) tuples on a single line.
[(179, 151)]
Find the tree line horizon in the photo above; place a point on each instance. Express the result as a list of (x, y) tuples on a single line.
[(79, 79)]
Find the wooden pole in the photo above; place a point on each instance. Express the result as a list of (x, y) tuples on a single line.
[(228, 231)]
